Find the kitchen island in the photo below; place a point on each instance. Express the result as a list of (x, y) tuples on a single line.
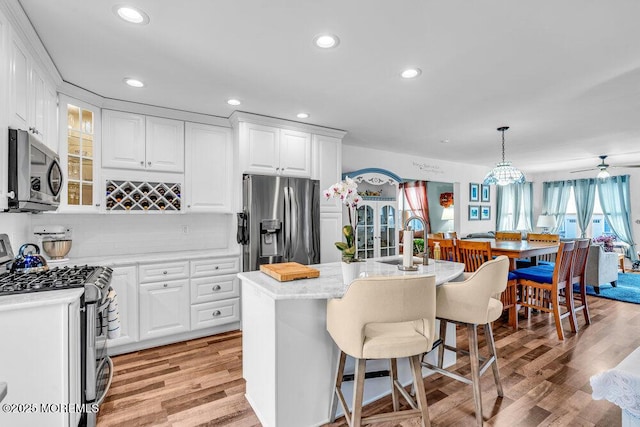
[(289, 359)]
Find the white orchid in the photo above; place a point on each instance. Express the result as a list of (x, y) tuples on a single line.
[(346, 192)]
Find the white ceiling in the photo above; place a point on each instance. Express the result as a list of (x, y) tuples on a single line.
[(564, 75)]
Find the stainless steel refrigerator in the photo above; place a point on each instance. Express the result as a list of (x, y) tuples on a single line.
[(280, 221)]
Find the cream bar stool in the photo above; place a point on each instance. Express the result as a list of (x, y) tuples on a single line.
[(473, 302), (384, 318)]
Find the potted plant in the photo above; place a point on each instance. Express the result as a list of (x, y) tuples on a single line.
[(346, 192)]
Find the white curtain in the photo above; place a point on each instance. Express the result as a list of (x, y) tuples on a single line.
[(556, 196)]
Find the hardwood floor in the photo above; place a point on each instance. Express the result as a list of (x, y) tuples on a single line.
[(546, 381)]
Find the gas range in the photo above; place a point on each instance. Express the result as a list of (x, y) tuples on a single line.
[(94, 279)]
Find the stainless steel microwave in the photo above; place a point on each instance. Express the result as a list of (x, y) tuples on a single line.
[(35, 176)]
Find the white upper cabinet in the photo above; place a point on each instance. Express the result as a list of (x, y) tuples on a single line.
[(327, 155), (124, 139), (30, 106), (295, 153), (164, 144), (80, 156), (19, 83), (208, 168), (134, 141), (272, 151)]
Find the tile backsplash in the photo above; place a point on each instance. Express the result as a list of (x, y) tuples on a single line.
[(112, 234)]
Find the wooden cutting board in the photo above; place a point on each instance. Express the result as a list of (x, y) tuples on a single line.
[(287, 271)]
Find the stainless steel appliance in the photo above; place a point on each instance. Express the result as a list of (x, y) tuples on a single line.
[(97, 368), (35, 176), (280, 221)]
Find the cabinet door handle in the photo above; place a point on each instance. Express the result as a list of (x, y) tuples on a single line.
[(97, 205), (149, 163), (216, 288), (165, 285), (141, 163), (216, 313), (164, 272), (217, 267)]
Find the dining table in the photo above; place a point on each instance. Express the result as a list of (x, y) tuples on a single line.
[(519, 249)]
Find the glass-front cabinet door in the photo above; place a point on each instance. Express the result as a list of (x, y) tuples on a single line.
[(80, 155), (365, 232), (387, 231), (376, 230)]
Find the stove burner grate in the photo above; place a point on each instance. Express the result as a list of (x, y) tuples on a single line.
[(54, 279)]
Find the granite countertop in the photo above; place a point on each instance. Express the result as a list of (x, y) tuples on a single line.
[(157, 257), (329, 284), (39, 299)]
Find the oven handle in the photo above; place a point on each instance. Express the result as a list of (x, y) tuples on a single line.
[(90, 352), (108, 361)]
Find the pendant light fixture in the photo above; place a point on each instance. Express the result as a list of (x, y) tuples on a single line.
[(504, 173)]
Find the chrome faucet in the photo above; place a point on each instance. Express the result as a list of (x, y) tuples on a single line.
[(425, 254)]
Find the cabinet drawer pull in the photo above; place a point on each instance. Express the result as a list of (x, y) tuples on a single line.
[(149, 163), (164, 272), (217, 267), (216, 288), (141, 163), (216, 313), (165, 285)]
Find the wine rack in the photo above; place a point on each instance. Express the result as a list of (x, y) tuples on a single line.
[(142, 196)]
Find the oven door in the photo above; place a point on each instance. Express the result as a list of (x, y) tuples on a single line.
[(99, 368)]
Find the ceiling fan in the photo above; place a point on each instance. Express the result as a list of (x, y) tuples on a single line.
[(603, 167)]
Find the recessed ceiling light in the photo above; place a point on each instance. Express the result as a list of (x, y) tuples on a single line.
[(326, 41), (234, 102), (411, 73), (444, 141), (133, 82), (131, 14), (303, 115)]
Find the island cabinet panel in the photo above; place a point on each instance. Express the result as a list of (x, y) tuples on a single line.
[(163, 308)]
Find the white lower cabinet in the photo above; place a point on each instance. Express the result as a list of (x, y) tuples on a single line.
[(123, 281), (164, 308), (214, 293), (165, 302), (215, 313)]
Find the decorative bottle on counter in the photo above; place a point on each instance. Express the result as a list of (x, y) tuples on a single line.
[(436, 251)]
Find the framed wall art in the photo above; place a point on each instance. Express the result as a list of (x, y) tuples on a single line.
[(474, 192), (474, 213), (485, 212), (485, 194)]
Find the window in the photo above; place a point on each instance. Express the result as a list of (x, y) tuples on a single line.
[(597, 227)]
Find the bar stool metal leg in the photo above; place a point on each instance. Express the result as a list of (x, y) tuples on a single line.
[(339, 375), (488, 333), (472, 330)]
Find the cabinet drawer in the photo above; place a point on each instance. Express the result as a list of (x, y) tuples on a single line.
[(161, 272), (214, 266), (205, 289), (215, 313)]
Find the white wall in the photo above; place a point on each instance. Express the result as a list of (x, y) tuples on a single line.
[(562, 175), (110, 234), (421, 168), (17, 227)]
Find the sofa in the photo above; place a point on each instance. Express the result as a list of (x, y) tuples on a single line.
[(602, 267)]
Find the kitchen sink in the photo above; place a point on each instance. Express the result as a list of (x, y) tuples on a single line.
[(398, 261)]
